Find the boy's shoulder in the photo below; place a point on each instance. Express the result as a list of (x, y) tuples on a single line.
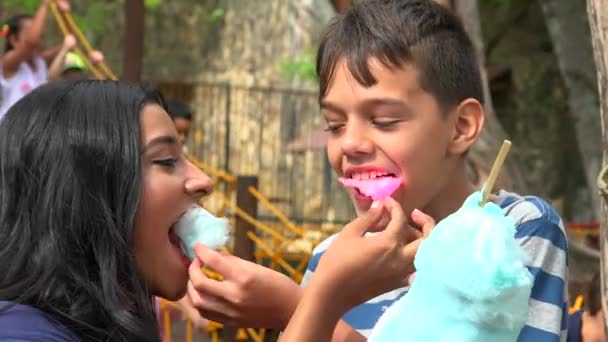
[(535, 219), (524, 209)]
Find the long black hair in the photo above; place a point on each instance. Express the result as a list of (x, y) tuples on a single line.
[(14, 27), (70, 181)]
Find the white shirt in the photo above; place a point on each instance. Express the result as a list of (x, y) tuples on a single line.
[(21, 83)]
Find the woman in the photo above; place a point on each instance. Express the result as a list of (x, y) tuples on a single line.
[(92, 181)]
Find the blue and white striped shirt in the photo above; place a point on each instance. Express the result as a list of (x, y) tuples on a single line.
[(540, 231)]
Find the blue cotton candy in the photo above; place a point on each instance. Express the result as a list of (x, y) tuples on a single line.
[(471, 282), (199, 226)]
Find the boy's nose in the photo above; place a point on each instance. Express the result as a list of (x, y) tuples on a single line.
[(355, 140)]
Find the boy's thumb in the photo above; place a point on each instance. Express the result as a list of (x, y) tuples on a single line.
[(365, 222)]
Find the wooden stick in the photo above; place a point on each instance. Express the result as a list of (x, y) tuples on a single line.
[(489, 184)]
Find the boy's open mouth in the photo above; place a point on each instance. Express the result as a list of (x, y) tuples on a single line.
[(377, 185)]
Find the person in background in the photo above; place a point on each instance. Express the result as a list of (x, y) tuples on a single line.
[(587, 324), (25, 62), (69, 65), (182, 117)]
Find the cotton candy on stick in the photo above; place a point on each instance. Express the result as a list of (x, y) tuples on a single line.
[(471, 282), (199, 226)]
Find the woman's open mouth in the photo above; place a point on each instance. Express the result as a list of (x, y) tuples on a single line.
[(177, 243)]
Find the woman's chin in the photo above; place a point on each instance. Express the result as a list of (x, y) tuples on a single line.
[(174, 294)]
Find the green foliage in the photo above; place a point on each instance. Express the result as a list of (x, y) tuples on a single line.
[(92, 19), (303, 67), (212, 16), (216, 15), (20, 6), (152, 4), (89, 17)]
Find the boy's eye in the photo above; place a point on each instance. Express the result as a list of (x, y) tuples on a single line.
[(333, 128), (384, 123), (169, 162)]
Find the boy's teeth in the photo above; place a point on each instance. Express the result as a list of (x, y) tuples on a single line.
[(369, 175)]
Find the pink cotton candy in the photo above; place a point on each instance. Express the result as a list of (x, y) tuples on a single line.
[(378, 188)]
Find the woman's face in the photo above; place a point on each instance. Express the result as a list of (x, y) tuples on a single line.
[(170, 186)]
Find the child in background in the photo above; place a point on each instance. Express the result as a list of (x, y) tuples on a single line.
[(587, 325), (68, 65), (24, 65), (182, 117)]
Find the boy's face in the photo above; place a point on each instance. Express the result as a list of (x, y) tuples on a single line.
[(392, 127), (183, 129)]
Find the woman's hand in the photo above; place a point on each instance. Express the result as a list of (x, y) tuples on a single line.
[(250, 295), (192, 313)]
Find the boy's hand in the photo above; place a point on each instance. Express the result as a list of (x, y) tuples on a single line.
[(356, 268), (250, 295)]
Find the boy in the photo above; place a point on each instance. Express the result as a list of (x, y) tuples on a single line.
[(401, 92), (182, 117), (587, 325)]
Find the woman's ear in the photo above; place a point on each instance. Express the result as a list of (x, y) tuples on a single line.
[(469, 118)]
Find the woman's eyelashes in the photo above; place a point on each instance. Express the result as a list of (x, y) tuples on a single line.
[(166, 162)]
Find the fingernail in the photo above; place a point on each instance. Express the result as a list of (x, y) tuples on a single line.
[(375, 204), (416, 212)]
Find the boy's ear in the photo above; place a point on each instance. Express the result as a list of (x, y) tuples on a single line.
[(468, 122), (12, 39)]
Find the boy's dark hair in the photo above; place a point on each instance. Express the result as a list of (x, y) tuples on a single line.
[(14, 27), (593, 302), (178, 109), (396, 32)]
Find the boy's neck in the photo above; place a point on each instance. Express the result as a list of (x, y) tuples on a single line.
[(451, 197)]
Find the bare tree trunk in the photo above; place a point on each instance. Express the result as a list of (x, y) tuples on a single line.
[(566, 22), (133, 48), (485, 150), (598, 22)]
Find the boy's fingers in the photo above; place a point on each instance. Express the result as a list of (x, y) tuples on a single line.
[(398, 223), (365, 222), (423, 220), (413, 234)]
